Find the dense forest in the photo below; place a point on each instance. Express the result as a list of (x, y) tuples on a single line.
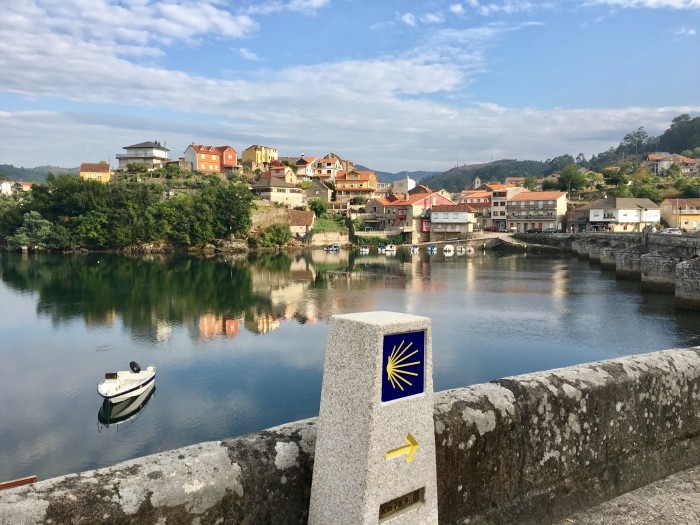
[(67, 212)]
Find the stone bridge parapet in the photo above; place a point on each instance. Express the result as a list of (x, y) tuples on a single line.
[(653, 258), (528, 449)]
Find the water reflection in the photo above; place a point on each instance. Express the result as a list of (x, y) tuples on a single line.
[(213, 298), (240, 342), (114, 414)]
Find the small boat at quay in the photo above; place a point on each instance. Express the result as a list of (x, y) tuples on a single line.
[(118, 386), (364, 249)]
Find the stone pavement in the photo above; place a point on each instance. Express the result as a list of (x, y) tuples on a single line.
[(674, 500)]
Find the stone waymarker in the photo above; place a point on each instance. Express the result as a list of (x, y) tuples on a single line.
[(375, 449)]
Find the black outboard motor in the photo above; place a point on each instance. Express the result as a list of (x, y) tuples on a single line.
[(135, 368)]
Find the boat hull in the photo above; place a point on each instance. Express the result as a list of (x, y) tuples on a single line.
[(126, 384)]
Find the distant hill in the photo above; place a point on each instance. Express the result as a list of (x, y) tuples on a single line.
[(385, 176), (38, 174), (461, 177)]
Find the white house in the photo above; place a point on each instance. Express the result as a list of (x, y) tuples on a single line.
[(451, 220), (154, 154), (617, 214), (5, 187)]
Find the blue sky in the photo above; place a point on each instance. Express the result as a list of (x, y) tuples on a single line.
[(392, 85)]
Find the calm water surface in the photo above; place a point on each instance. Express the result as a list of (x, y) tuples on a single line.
[(239, 343)]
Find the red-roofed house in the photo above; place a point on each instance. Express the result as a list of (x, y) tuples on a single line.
[(408, 214), (96, 171), (451, 220), (355, 184), (301, 222), (480, 200), (537, 210), (660, 162), (500, 195), (22, 186), (211, 159), (305, 167)]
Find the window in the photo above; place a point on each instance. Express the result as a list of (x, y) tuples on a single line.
[(202, 156)]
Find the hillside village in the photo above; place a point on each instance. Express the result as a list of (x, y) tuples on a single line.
[(404, 211)]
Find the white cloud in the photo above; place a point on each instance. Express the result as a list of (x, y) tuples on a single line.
[(456, 9), (433, 18), (508, 7), (247, 54), (685, 31), (306, 7), (409, 19), (649, 4)]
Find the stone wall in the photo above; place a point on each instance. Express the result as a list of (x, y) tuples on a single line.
[(524, 449), (324, 239)]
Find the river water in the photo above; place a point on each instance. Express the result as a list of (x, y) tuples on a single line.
[(239, 342)]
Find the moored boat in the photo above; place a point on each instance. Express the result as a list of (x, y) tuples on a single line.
[(364, 249), (118, 386), (448, 249), (123, 411)]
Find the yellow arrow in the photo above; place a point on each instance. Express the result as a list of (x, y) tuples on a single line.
[(409, 449)]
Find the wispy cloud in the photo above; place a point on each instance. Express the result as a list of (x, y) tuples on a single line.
[(648, 4), (508, 7), (685, 31), (408, 18), (305, 7), (247, 54)]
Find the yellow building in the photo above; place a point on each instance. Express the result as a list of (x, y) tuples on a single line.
[(259, 156), (681, 213), (96, 171)]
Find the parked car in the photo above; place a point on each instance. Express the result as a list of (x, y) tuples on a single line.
[(549, 230), (490, 229), (533, 230), (672, 231)]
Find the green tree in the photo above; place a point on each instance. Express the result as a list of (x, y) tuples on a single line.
[(232, 206), (572, 178), (614, 177), (137, 167), (530, 182), (318, 206), (35, 233), (635, 142), (557, 164), (550, 183), (276, 235)]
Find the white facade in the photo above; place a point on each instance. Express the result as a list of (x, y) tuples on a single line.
[(403, 186), (5, 187), (154, 154)]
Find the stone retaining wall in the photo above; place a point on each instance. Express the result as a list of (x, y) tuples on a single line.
[(524, 449)]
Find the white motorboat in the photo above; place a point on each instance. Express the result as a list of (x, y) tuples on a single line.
[(448, 249), (390, 248), (123, 411), (118, 386), (415, 249)]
